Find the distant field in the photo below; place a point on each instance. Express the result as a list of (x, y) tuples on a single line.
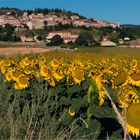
[(8, 44), (23, 50), (112, 50), (16, 48)]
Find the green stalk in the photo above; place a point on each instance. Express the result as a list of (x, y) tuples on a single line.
[(90, 90)]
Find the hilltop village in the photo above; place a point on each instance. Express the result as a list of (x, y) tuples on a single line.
[(43, 24)]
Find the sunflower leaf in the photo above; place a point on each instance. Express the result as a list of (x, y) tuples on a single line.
[(102, 112)]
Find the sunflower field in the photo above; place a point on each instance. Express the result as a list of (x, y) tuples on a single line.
[(70, 95)]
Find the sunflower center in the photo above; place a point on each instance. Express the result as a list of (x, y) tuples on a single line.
[(133, 115), (45, 69), (120, 79), (135, 76), (23, 80), (16, 74), (78, 74), (59, 73)]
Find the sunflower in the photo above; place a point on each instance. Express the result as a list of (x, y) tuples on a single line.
[(119, 79), (113, 68), (57, 74), (133, 119), (4, 69), (1, 62), (25, 61), (78, 75), (94, 73), (16, 74), (23, 82), (42, 60), (44, 71), (127, 95), (50, 80), (36, 74), (27, 70), (54, 63), (16, 86), (70, 80), (8, 75), (134, 78), (78, 64), (101, 91), (134, 63)]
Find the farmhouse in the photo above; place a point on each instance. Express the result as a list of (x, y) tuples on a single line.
[(66, 35), (27, 39)]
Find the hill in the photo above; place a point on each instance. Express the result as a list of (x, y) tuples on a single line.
[(130, 26), (6, 10)]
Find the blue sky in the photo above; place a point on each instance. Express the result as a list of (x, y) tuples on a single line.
[(123, 11)]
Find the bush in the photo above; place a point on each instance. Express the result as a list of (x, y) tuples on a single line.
[(85, 38), (56, 40)]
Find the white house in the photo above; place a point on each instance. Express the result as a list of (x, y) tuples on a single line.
[(108, 43)]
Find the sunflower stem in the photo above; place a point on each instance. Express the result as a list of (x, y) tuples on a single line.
[(90, 90)]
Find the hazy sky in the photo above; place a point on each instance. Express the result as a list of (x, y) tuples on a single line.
[(123, 11)]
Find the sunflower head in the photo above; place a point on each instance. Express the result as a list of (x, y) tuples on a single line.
[(54, 63), (58, 74), (127, 95), (50, 80), (134, 78), (42, 60), (16, 74), (23, 82), (78, 75), (70, 80), (133, 119), (134, 63), (44, 71), (26, 61), (119, 79)]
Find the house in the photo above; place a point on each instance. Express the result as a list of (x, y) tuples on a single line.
[(27, 39), (107, 43), (66, 35), (30, 24), (135, 43), (126, 39), (102, 23), (74, 17), (115, 25), (25, 17), (81, 22), (65, 21), (121, 41)]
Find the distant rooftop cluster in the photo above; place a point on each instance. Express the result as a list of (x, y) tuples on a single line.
[(39, 20)]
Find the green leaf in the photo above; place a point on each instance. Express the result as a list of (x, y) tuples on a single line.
[(67, 119), (65, 100), (74, 89), (56, 90), (113, 95), (103, 112), (77, 103), (117, 135), (95, 128)]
